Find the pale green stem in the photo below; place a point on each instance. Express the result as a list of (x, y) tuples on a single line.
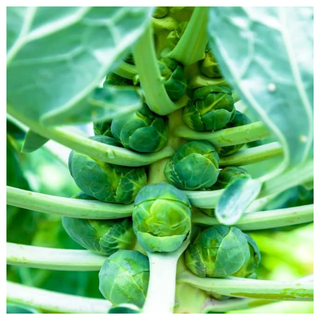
[(227, 137), (54, 302), (150, 78), (292, 177), (162, 282), (100, 151), (191, 47), (199, 80), (76, 208), (53, 259), (249, 288), (264, 219), (126, 70), (252, 155), (234, 304), (282, 182)]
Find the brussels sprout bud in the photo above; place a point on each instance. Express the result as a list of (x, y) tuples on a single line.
[(101, 236), (240, 119), (142, 131), (124, 277), (175, 35), (175, 80), (105, 181), (195, 165), (248, 270), (129, 58), (115, 80), (81, 195), (102, 128), (209, 66), (228, 175), (161, 217), (211, 109), (160, 12), (218, 251)]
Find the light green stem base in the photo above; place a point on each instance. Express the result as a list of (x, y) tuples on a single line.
[(248, 288), (76, 208), (54, 302), (53, 259)]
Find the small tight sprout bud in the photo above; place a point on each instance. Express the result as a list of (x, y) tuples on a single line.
[(209, 66), (228, 175), (160, 12), (124, 278), (195, 165), (212, 108), (142, 131), (104, 181), (103, 237), (116, 80), (161, 217), (218, 251)]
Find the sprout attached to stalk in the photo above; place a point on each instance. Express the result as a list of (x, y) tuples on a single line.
[(142, 131), (195, 165), (103, 181), (161, 217), (218, 251), (211, 109), (228, 175), (103, 237), (240, 119), (124, 277)]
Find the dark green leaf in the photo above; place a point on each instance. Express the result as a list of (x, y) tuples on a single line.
[(32, 142)]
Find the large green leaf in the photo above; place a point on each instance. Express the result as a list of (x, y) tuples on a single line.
[(57, 56), (266, 54)]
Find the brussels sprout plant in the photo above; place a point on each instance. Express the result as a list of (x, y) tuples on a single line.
[(154, 157)]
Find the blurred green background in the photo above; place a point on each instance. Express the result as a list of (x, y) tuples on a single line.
[(287, 253)]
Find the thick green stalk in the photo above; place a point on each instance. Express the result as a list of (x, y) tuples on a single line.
[(76, 208), (227, 137), (264, 219), (54, 302), (249, 288), (150, 78), (191, 47), (78, 142), (53, 259), (162, 282)]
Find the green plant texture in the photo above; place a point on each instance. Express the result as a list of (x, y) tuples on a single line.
[(160, 160)]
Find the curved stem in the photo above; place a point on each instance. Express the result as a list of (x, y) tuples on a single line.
[(291, 177), (100, 151), (150, 78), (200, 80), (252, 155), (54, 302), (76, 208), (126, 70), (234, 304), (249, 288), (191, 46), (53, 259), (227, 137), (264, 219)]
